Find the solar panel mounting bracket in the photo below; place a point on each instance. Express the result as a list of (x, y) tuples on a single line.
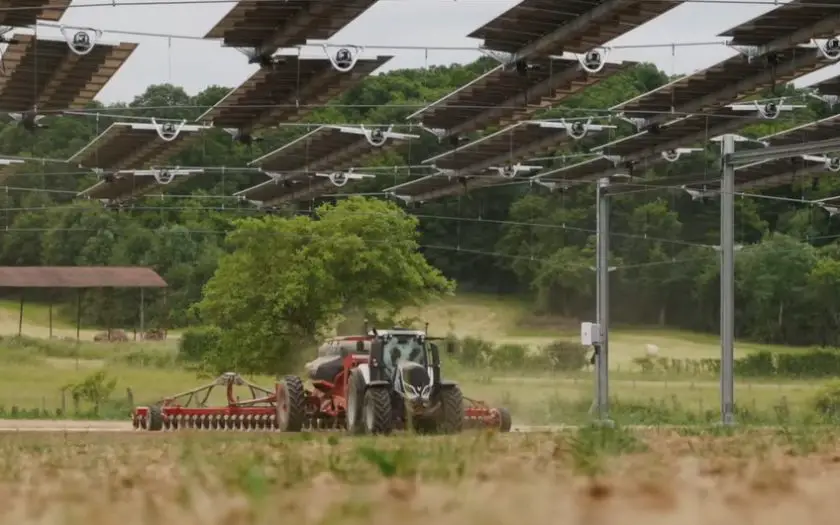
[(831, 100), (406, 199), (82, 40), (577, 129), (769, 110), (829, 48), (832, 164), (501, 57), (594, 60), (376, 136), (168, 131), (510, 171), (699, 195), (673, 155), (343, 60), (341, 178), (437, 132), (551, 185), (637, 122)]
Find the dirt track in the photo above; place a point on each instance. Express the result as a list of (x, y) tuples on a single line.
[(46, 425)]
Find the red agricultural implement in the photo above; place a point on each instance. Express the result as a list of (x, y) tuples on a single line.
[(190, 409), (362, 384)]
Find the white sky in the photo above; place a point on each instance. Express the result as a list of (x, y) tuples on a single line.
[(198, 64)]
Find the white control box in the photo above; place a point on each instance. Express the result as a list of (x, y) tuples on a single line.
[(590, 334)]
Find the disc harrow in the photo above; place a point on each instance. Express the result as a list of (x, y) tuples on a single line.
[(189, 410), (478, 414)]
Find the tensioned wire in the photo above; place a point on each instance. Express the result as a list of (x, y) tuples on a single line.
[(177, 36), (605, 112), (129, 3)]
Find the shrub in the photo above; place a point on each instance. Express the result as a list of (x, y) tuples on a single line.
[(196, 343), (565, 355), (827, 401), (474, 351), (508, 356), (756, 365), (147, 359)]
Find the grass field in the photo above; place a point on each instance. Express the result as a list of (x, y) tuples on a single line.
[(588, 476), (507, 320), (37, 371)]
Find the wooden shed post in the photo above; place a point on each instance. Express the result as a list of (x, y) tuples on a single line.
[(78, 314), (20, 316)]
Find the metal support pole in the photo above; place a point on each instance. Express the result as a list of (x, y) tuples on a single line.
[(727, 283), (602, 269)]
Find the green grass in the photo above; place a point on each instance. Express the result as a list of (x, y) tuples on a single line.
[(36, 370), (35, 313), (510, 320), (498, 319)]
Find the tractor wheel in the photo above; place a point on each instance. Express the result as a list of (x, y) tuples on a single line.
[(504, 420), (155, 418), (290, 402), (355, 402), (451, 413), (377, 411)]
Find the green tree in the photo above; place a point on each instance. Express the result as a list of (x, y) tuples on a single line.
[(288, 280)]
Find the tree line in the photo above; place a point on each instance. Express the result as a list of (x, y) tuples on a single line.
[(512, 239)]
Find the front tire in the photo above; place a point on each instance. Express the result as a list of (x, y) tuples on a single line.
[(377, 411), (451, 415), (355, 402)]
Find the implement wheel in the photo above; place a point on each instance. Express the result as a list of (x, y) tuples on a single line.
[(155, 418), (505, 421), (290, 404)]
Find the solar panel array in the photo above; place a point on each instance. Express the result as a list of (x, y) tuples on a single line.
[(549, 51)]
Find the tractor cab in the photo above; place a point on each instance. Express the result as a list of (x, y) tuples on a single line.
[(401, 354), (402, 346)]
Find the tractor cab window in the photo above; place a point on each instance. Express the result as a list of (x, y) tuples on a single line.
[(403, 348)]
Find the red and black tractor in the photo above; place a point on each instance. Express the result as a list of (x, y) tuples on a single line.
[(384, 381)]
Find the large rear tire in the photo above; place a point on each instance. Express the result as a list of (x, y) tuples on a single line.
[(291, 398), (355, 402), (451, 412), (377, 411)]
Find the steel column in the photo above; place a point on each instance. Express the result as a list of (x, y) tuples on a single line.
[(602, 269), (727, 282)]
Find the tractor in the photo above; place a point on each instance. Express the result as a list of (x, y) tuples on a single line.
[(374, 384)]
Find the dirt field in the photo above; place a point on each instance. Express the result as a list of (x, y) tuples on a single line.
[(577, 477)]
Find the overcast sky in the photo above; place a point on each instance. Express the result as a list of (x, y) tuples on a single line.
[(197, 64)]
